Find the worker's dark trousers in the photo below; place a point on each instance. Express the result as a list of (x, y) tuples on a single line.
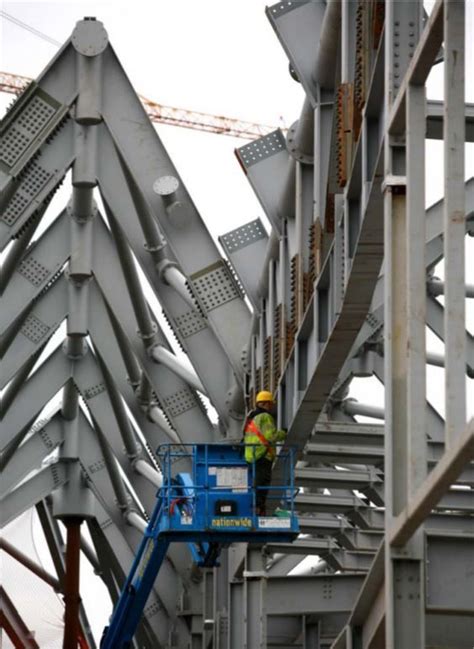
[(263, 478)]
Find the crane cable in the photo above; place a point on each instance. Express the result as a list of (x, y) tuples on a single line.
[(29, 28)]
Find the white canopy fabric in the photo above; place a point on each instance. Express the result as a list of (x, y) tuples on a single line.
[(40, 607)]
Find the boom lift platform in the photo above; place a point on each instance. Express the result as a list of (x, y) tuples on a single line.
[(208, 507)]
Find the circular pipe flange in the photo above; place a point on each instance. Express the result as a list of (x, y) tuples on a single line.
[(165, 186), (293, 73), (89, 37), (293, 150)]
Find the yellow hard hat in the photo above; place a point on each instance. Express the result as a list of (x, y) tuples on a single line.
[(264, 395)]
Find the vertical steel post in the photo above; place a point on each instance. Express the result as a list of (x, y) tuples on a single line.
[(405, 436), (208, 620), (311, 633), (255, 588), (237, 614), (74, 503), (454, 219), (416, 287), (221, 602)]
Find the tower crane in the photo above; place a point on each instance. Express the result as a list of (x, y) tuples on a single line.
[(15, 84)]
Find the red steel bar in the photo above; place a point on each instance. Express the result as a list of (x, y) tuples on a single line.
[(72, 598)]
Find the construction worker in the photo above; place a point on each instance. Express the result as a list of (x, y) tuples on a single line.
[(261, 435)]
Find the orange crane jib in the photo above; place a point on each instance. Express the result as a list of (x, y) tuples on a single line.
[(15, 84)]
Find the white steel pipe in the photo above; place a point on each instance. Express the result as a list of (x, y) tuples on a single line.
[(160, 354), (432, 358), (437, 287), (353, 407), (148, 472), (157, 416), (135, 520), (175, 278)]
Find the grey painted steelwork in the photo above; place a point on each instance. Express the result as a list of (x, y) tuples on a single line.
[(341, 287)]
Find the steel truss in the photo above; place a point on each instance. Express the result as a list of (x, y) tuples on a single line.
[(387, 507)]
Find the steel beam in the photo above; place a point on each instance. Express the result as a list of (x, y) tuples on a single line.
[(43, 440), (320, 594), (434, 487), (36, 569), (32, 491)]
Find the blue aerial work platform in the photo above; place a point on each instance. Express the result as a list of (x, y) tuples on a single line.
[(209, 506)]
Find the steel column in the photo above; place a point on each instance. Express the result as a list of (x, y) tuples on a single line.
[(255, 619), (454, 132)]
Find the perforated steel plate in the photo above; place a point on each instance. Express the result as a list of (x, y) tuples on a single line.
[(94, 390), (281, 8), (243, 236), (35, 114), (373, 321), (58, 476), (34, 329), (190, 323), (46, 439), (15, 208), (34, 180), (152, 609), (215, 286), (262, 148), (33, 270), (12, 145), (96, 466), (180, 402)]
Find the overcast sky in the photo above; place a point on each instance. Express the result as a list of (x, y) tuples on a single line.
[(216, 57)]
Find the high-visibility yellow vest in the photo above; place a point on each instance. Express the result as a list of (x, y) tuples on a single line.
[(256, 444)]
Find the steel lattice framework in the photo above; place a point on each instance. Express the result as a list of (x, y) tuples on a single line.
[(342, 287)]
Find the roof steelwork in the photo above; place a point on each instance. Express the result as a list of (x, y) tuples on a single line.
[(342, 287)]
